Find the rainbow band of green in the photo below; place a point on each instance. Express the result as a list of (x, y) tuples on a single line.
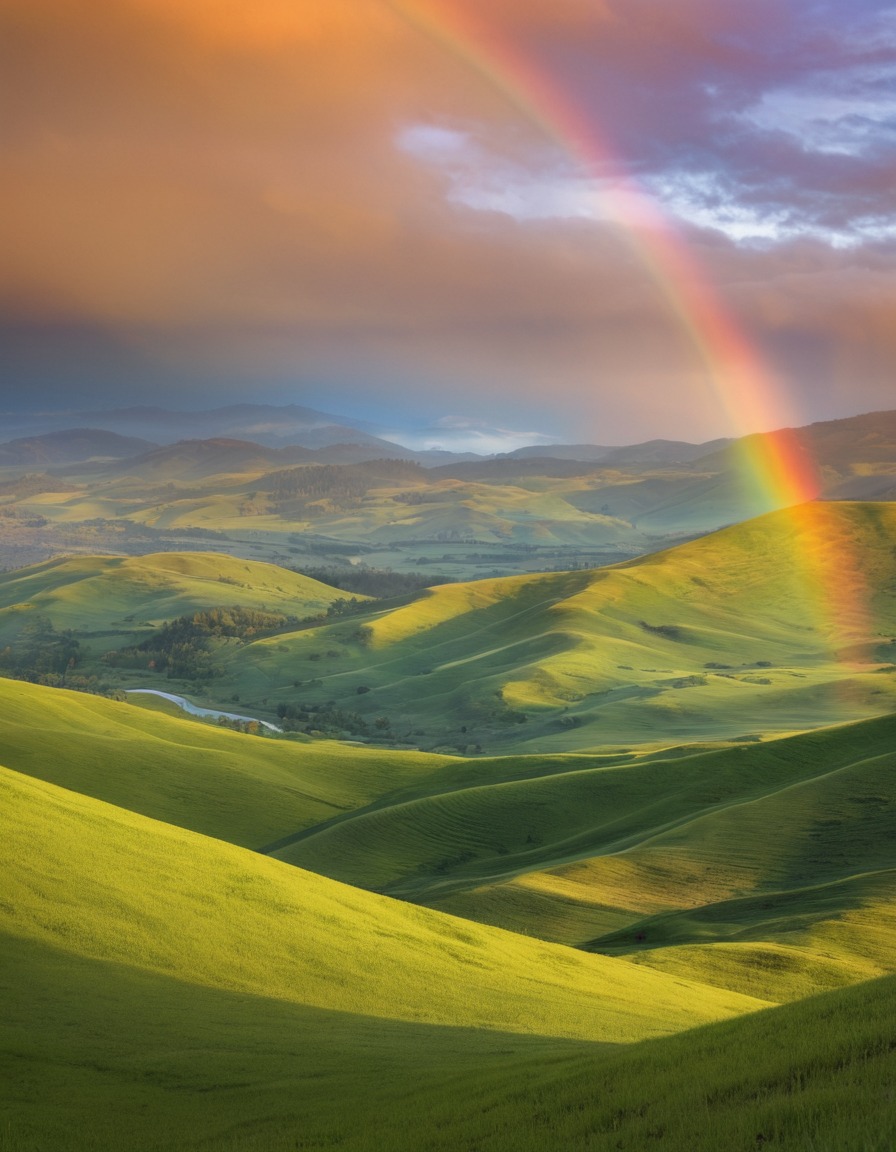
[(779, 467)]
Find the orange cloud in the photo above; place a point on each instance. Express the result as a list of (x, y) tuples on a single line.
[(221, 183)]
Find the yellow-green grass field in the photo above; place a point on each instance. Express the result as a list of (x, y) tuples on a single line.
[(769, 627), (167, 991), (102, 906), (245, 789), (114, 595), (763, 867)]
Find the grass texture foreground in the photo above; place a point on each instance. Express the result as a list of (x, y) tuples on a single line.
[(186, 993)]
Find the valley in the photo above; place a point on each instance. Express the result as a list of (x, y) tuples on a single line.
[(447, 576), (374, 503), (561, 849)]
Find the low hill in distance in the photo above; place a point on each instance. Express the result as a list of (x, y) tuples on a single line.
[(777, 625), (173, 612), (546, 508), (76, 445), (110, 594), (766, 627), (273, 425)]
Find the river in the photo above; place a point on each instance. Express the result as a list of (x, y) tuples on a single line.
[(195, 710)]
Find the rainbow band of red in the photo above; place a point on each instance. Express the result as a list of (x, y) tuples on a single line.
[(781, 468)]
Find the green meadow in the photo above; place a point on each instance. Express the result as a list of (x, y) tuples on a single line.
[(183, 992), (108, 597), (740, 633), (770, 627), (597, 859)]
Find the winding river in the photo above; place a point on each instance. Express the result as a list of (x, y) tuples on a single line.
[(195, 710)]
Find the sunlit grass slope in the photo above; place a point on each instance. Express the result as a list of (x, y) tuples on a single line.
[(100, 882), (125, 593), (240, 788), (186, 493), (102, 1055), (768, 849), (453, 840), (762, 627)]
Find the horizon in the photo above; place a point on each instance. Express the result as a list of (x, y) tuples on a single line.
[(456, 435)]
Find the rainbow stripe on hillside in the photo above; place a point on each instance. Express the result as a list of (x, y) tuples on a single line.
[(781, 471)]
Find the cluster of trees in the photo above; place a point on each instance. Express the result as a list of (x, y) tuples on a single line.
[(668, 631), (34, 483), (340, 483), (39, 651), (330, 720), (186, 648), (24, 518), (380, 583), (417, 496), (41, 655)]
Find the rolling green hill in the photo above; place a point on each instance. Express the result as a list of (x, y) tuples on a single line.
[(772, 626), (247, 790), (185, 994), (122, 907), (777, 625), (303, 938), (767, 868), (57, 620), (126, 594)]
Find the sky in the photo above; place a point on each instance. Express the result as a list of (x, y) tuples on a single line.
[(490, 221)]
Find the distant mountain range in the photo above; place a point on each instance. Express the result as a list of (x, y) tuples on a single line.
[(372, 501), (292, 434), (261, 424), (70, 446), (650, 452)]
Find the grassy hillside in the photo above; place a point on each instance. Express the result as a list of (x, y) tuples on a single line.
[(299, 937), (112, 594), (772, 626), (763, 867), (502, 516), (240, 788), (183, 993), (59, 620)]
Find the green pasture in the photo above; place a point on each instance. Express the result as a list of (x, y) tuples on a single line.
[(749, 631), (246, 789), (668, 808), (167, 900), (183, 993), (117, 597)]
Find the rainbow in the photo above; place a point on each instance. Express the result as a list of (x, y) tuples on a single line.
[(753, 400)]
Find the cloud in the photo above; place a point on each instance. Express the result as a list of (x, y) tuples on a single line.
[(467, 434), (321, 199)]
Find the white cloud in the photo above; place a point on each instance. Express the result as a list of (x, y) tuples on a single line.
[(465, 434)]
